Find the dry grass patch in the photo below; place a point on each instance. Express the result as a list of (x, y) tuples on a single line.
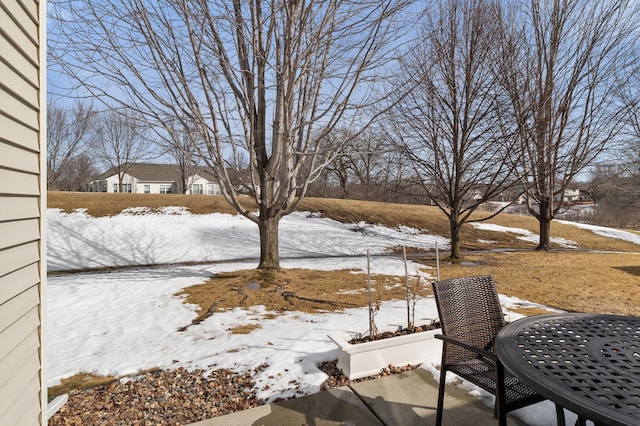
[(428, 218), (84, 380), (572, 281), (79, 381), (244, 329), (292, 290), (108, 204)]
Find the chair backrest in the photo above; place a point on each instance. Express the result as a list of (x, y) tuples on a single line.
[(469, 311)]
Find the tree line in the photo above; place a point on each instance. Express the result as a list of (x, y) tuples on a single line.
[(446, 102)]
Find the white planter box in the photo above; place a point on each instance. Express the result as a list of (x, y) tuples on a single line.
[(367, 359)]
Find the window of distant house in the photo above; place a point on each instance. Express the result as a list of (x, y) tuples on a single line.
[(104, 187), (209, 189), (165, 189), (147, 189), (126, 187), (196, 188)]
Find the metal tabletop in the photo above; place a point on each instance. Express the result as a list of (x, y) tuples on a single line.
[(586, 363)]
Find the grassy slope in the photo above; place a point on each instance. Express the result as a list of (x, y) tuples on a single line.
[(572, 280)]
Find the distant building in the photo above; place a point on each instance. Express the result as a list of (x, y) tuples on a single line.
[(143, 178), (571, 195), (576, 195)]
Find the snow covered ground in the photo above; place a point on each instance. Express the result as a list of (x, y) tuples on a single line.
[(79, 241), (121, 322)]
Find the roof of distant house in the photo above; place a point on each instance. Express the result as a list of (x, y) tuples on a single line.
[(155, 172)]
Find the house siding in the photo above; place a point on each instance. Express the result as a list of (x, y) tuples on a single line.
[(22, 203)]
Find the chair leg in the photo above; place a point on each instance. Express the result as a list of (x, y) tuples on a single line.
[(560, 416), (501, 399), (441, 385)]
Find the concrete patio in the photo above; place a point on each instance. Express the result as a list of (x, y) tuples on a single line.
[(406, 399)]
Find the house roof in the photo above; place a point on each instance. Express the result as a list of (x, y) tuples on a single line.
[(155, 172)]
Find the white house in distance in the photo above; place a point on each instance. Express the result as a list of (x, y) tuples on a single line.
[(145, 178)]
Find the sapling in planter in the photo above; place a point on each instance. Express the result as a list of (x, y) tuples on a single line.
[(373, 308), (411, 294), (360, 356)]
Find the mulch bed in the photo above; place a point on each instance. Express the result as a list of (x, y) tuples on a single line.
[(176, 397)]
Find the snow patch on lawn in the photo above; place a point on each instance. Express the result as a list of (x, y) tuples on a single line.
[(525, 234), (606, 232)]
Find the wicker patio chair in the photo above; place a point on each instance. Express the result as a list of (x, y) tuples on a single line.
[(471, 316)]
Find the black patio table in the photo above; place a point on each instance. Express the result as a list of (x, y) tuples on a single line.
[(586, 363)]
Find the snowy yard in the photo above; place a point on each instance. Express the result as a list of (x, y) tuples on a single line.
[(121, 322)]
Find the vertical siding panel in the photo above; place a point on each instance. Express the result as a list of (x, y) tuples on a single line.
[(31, 7), (16, 84), (21, 352), (13, 336), (17, 108), (19, 232), (22, 41), (16, 183), (13, 157), (16, 282), (14, 307), (29, 418), (24, 374), (13, 208), (15, 258), (16, 133), (23, 402), (39, 8), (22, 203)]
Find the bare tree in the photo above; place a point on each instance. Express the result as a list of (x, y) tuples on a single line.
[(448, 124), (368, 162), (80, 170), (68, 133), (359, 166), (615, 178), (119, 141), (560, 63), (339, 168), (627, 153), (180, 142), (616, 193), (265, 79)]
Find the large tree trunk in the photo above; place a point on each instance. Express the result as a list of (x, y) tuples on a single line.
[(544, 220), (454, 228), (269, 255)]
